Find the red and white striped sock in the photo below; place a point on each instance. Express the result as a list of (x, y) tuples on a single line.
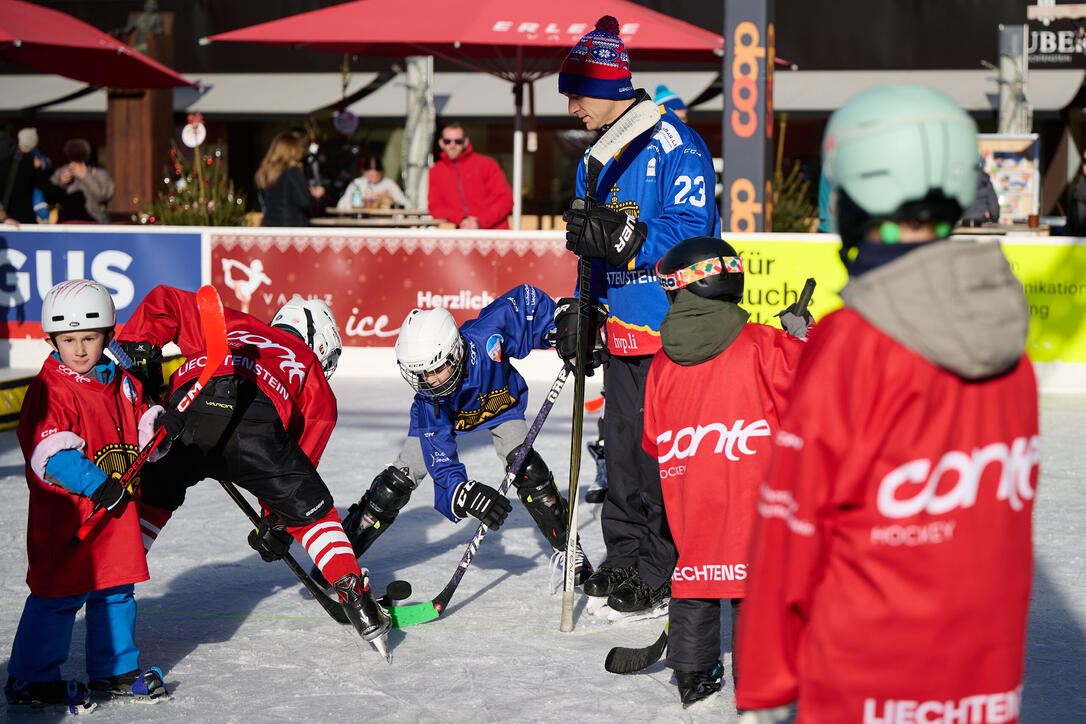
[(327, 544), (152, 521)]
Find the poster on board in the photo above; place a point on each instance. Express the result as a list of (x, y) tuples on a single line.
[(1013, 163)]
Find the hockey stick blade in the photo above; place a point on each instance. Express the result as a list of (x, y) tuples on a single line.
[(621, 660)]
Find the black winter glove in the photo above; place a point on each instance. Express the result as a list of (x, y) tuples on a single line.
[(147, 358), (173, 421), (111, 495), (271, 540), (599, 232), (794, 323), (481, 501), (564, 334)]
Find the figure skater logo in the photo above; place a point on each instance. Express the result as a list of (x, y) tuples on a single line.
[(244, 288)]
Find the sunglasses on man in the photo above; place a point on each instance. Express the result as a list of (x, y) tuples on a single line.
[(453, 141)]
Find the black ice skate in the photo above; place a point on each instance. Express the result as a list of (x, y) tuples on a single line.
[(370, 620), (634, 595), (606, 579), (598, 491), (72, 696), (136, 685), (696, 685)]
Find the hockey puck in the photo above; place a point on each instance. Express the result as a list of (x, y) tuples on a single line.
[(397, 590)]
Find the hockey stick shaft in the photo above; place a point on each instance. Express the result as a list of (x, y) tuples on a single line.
[(333, 609), (422, 612), (638, 118), (213, 321)]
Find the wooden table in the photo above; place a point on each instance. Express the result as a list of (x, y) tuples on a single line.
[(1002, 230), (369, 221), (371, 211)]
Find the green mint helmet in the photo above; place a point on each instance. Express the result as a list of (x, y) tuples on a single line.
[(897, 152)]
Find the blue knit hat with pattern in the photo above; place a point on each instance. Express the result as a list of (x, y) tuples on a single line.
[(666, 97), (598, 65)]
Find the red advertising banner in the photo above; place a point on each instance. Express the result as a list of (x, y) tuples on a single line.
[(371, 280)]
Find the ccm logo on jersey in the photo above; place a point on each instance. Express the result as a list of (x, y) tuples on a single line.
[(688, 440), (914, 486)]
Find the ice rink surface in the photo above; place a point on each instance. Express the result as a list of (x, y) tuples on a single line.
[(240, 642)]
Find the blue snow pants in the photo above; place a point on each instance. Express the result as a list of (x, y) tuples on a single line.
[(44, 637)]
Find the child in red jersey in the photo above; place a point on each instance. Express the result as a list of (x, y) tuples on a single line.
[(79, 428), (713, 401)]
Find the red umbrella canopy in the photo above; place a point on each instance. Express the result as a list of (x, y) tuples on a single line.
[(54, 42), (486, 35)]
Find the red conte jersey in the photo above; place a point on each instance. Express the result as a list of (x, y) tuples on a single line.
[(279, 362), (710, 428), (893, 554), (64, 410)]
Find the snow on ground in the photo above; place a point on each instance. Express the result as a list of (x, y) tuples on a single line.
[(239, 642)]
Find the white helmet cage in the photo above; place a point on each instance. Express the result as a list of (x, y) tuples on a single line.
[(77, 304), (430, 340), (312, 320)]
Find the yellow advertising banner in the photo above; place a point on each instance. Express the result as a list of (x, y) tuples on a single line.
[(1052, 272)]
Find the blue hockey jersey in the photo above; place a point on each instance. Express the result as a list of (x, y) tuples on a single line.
[(491, 392), (669, 186)]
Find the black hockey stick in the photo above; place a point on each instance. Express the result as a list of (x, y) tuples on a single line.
[(637, 119), (428, 611), (621, 660), (395, 591)]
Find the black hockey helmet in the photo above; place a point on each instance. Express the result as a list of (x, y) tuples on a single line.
[(706, 265)]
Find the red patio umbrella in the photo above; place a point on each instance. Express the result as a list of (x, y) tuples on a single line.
[(54, 42), (520, 42)]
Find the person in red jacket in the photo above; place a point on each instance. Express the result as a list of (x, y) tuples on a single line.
[(261, 422), (893, 556), (468, 188), (79, 427), (713, 400)]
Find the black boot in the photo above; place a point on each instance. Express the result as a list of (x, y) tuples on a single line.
[(636, 595), (696, 685), (598, 492), (606, 579), (37, 696)]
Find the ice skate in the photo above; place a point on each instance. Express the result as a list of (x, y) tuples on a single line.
[(634, 600), (598, 491), (370, 620), (582, 569), (136, 685), (697, 685), (71, 697)]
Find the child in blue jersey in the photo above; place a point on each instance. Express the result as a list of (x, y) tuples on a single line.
[(464, 381)]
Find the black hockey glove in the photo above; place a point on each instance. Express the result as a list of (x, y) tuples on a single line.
[(564, 335), (173, 421), (481, 501), (147, 357), (271, 540), (111, 495), (794, 323), (603, 233)]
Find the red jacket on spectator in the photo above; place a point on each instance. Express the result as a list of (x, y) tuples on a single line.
[(471, 185)]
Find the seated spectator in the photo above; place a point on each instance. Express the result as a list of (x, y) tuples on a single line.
[(87, 188), (468, 188), (372, 189), (287, 198)]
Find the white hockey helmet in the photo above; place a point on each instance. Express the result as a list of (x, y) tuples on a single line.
[(429, 341), (77, 304), (312, 320)]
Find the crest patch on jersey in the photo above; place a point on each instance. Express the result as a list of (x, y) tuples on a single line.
[(128, 390), (494, 347)]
